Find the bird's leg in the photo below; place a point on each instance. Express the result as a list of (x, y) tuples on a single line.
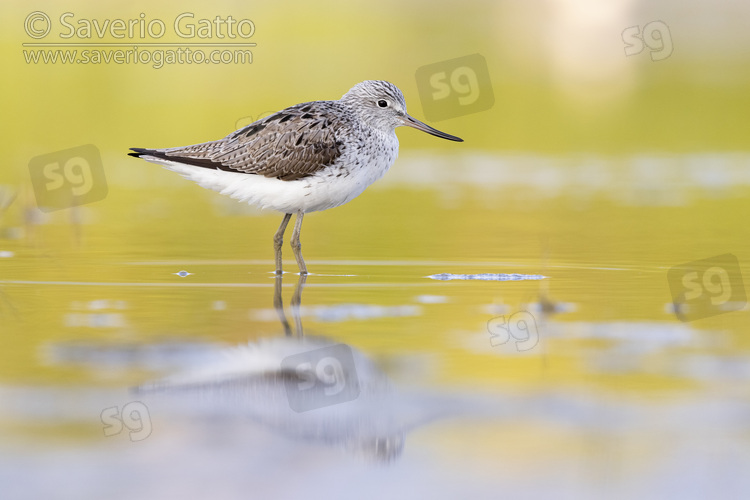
[(278, 240), (296, 245)]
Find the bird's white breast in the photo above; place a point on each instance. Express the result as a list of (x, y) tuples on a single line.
[(362, 164)]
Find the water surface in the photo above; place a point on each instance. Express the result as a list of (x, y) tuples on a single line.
[(552, 364)]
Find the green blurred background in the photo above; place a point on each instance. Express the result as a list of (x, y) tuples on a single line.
[(561, 79)]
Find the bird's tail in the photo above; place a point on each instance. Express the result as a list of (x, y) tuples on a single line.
[(199, 155)]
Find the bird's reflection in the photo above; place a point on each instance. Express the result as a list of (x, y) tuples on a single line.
[(294, 305), (310, 388)]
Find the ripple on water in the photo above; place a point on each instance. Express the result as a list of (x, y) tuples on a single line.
[(487, 277)]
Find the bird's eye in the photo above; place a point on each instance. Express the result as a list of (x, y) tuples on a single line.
[(383, 103)]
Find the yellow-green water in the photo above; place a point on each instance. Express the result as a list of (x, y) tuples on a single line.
[(93, 307)]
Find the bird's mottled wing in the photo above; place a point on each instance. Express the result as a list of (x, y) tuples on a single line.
[(291, 144)]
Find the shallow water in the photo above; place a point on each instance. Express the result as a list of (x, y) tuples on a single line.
[(423, 357)]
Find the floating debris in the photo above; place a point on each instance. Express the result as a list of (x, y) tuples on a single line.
[(182, 274), (487, 277)]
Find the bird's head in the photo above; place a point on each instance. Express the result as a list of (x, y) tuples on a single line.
[(381, 105)]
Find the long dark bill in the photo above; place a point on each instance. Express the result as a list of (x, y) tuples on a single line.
[(414, 123)]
